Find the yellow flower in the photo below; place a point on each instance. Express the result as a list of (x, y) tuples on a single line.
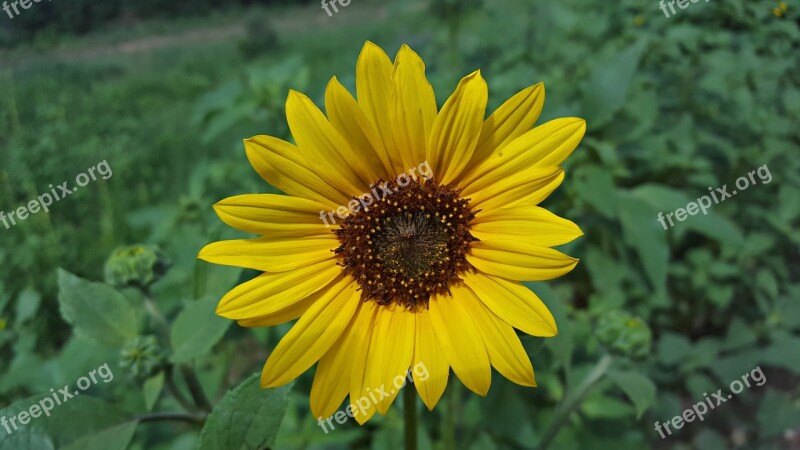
[(437, 227), (780, 10)]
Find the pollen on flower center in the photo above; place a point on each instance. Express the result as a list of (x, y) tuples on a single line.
[(409, 245)]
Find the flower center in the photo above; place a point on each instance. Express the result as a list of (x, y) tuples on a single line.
[(410, 244)]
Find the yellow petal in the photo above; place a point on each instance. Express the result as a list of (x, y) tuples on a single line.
[(374, 86), (430, 367), (457, 128), (280, 164), (288, 313), (546, 145), (460, 340), (517, 260), (528, 187), (332, 378), (353, 124), (414, 107), (271, 254), (506, 352), (271, 292), (390, 353), (363, 406), (324, 149), (273, 215), (532, 223), (513, 303), (513, 118), (313, 335)]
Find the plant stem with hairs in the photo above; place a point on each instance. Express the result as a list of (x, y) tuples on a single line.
[(574, 400)]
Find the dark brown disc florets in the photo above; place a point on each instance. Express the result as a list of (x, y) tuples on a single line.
[(409, 244)]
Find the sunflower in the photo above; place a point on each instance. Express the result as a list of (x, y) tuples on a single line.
[(422, 267)]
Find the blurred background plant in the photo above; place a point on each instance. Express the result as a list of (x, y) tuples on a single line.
[(648, 322)]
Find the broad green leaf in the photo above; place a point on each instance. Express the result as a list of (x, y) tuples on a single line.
[(673, 348), (606, 272), (607, 88), (601, 406), (783, 352), (727, 368), (667, 200), (708, 439), (596, 187), (152, 390), (105, 439), (739, 335), (705, 353), (96, 310), (26, 439), (248, 417), (197, 329), (647, 237), (640, 390), (697, 383), (27, 304), (79, 423), (777, 413)]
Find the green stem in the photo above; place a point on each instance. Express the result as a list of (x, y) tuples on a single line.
[(195, 388), (159, 322), (189, 375), (8, 81), (453, 394), (173, 388), (573, 401), (410, 404)]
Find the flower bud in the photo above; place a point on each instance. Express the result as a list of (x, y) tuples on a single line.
[(136, 265), (142, 357), (624, 334)]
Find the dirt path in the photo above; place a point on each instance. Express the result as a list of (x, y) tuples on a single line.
[(286, 20)]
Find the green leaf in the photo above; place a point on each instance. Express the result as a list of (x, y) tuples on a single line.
[(782, 352), (197, 329), (79, 423), (601, 406), (640, 390), (705, 353), (710, 440), (673, 348), (739, 335), (96, 310), (643, 233), (777, 413), (595, 186), (667, 200), (607, 88), (248, 417), (27, 304), (26, 440), (152, 390)]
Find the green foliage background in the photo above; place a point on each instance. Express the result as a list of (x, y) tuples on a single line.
[(673, 105)]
